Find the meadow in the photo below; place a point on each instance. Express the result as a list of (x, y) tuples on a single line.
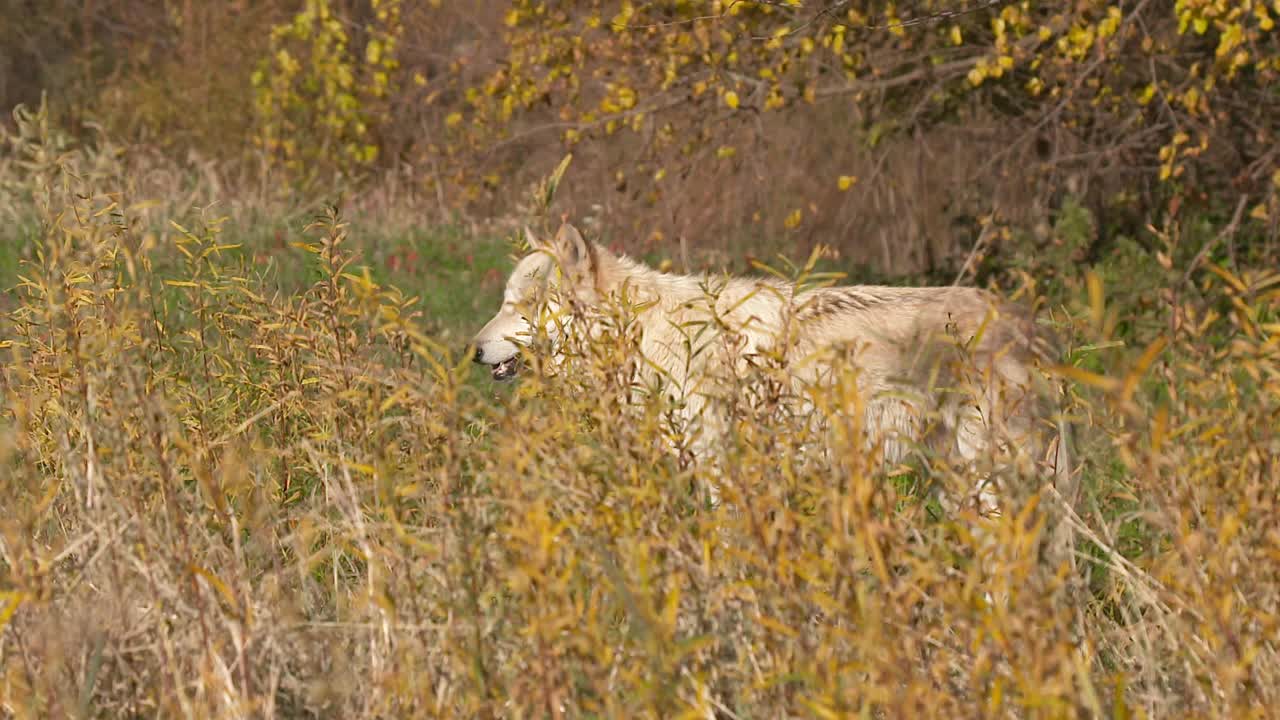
[(250, 471)]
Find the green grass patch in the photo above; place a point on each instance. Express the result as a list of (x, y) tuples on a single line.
[(16, 244)]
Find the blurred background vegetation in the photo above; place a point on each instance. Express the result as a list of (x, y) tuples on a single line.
[(897, 133), (246, 470)]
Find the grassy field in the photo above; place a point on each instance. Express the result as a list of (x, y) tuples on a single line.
[(250, 471)]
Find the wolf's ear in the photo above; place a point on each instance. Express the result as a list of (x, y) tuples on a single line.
[(532, 241), (570, 247)]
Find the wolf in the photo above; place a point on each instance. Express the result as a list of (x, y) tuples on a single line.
[(950, 368)]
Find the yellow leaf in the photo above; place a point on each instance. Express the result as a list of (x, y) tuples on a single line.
[(453, 119), (1191, 99), (956, 37), (846, 181), (1085, 377), (672, 610), (731, 99), (361, 468), (821, 711), (9, 602), (1159, 428), (1231, 279), (793, 220), (553, 181), (777, 626), (218, 585), (1097, 301), (725, 151), (1140, 368)]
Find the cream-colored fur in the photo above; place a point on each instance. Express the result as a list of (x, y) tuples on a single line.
[(950, 367)]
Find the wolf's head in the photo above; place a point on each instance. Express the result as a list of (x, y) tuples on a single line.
[(565, 268)]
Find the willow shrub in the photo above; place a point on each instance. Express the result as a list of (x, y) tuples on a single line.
[(223, 501)]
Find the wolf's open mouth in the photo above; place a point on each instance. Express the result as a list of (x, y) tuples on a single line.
[(506, 369)]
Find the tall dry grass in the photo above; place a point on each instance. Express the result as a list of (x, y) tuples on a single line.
[(221, 501)]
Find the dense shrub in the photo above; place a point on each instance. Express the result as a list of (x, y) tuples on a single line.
[(899, 135), (224, 500)]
